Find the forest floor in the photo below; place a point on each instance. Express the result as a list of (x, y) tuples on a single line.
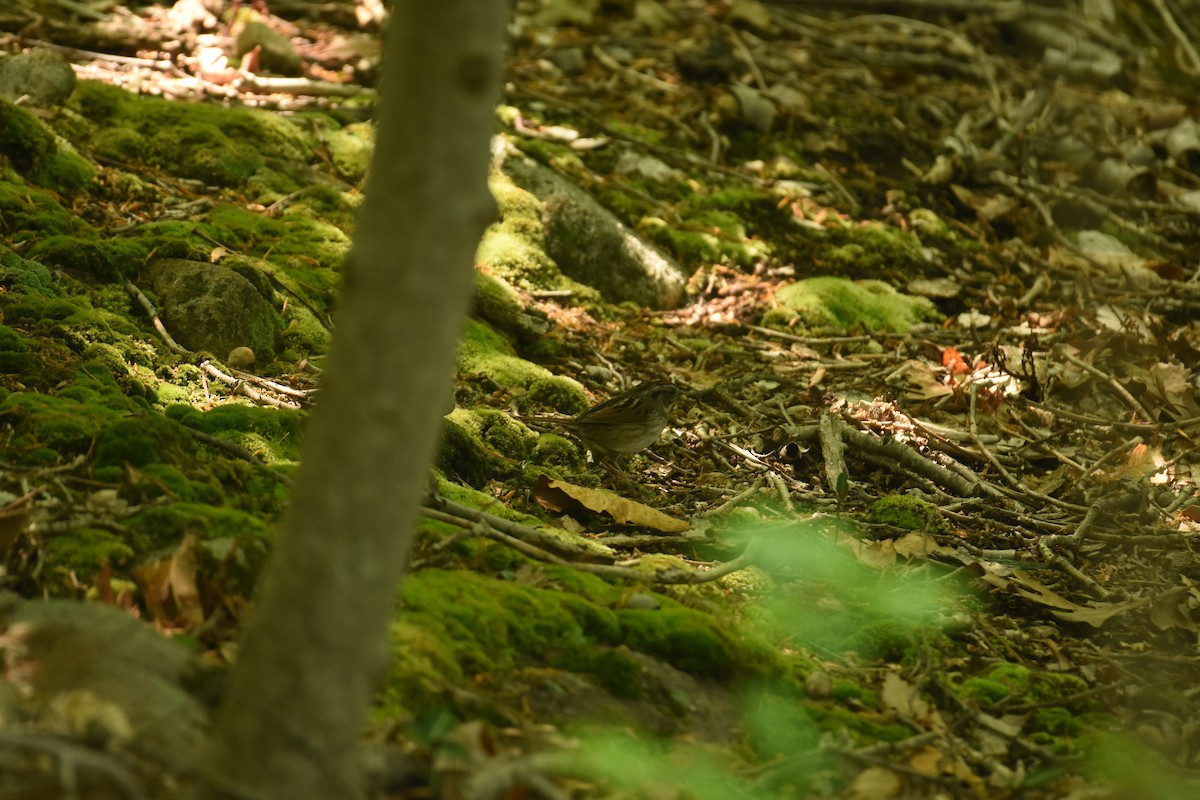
[(922, 523)]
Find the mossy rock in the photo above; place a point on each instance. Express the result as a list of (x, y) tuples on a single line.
[(212, 308), (42, 422), (24, 275), (32, 213), (483, 351), (89, 259), (140, 441), (483, 625), (35, 151), (828, 302), (272, 432), (909, 513), (463, 455)]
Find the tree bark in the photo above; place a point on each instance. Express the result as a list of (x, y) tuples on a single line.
[(297, 699)]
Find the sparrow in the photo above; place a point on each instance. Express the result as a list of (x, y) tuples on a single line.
[(625, 423)]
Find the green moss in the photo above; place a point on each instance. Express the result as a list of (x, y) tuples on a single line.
[(85, 257), (83, 552), (1013, 680), (34, 309), (217, 163), (889, 640), (847, 691), (107, 355), (517, 258), (12, 340), (872, 248), (614, 668), (138, 442), (910, 513), (698, 642), (495, 300), (171, 239), (34, 151), (740, 200), (99, 101), (274, 432), (236, 541), (267, 186), (462, 454), (94, 383), (1014, 677), (26, 141), (27, 212), (984, 690), (484, 625), (101, 326), (827, 302), (120, 144), (779, 727), (167, 481), (1048, 687), (864, 728), (492, 623), (552, 451), (304, 332), (350, 150), (502, 433), (483, 351), (312, 239), (65, 171), (238, 227), (25, 275), (519, 208), (168, 394), (41, 421), (1054, 721), (216, 144), (555, 392)]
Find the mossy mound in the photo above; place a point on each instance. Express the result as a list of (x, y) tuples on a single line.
[(38, 154), (456, 626), (828, 302)]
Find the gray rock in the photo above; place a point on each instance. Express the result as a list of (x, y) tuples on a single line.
[(40, 78), (211, 307), (591, 245), (277, 53)]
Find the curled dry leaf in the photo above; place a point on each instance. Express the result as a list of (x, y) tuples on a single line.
[(15, 519), (562, 496)]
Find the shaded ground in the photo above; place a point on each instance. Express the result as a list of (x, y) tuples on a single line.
[(962, 492)]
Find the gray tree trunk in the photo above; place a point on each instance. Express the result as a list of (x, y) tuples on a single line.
[(297, 698)]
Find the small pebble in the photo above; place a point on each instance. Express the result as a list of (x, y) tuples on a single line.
[(641, 600), (240, 358)]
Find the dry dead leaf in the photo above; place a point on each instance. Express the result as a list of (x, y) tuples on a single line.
[(919, 381), (874, 783), (15, 519), (919, 544), (1021, 584), (1096, 616), (901, 696), (937, 763), (874, 553), (182, 578), (878, 554), (558, 495), (169, 588), (1167, 610)]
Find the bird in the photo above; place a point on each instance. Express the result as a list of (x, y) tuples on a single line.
[(625, 423)]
